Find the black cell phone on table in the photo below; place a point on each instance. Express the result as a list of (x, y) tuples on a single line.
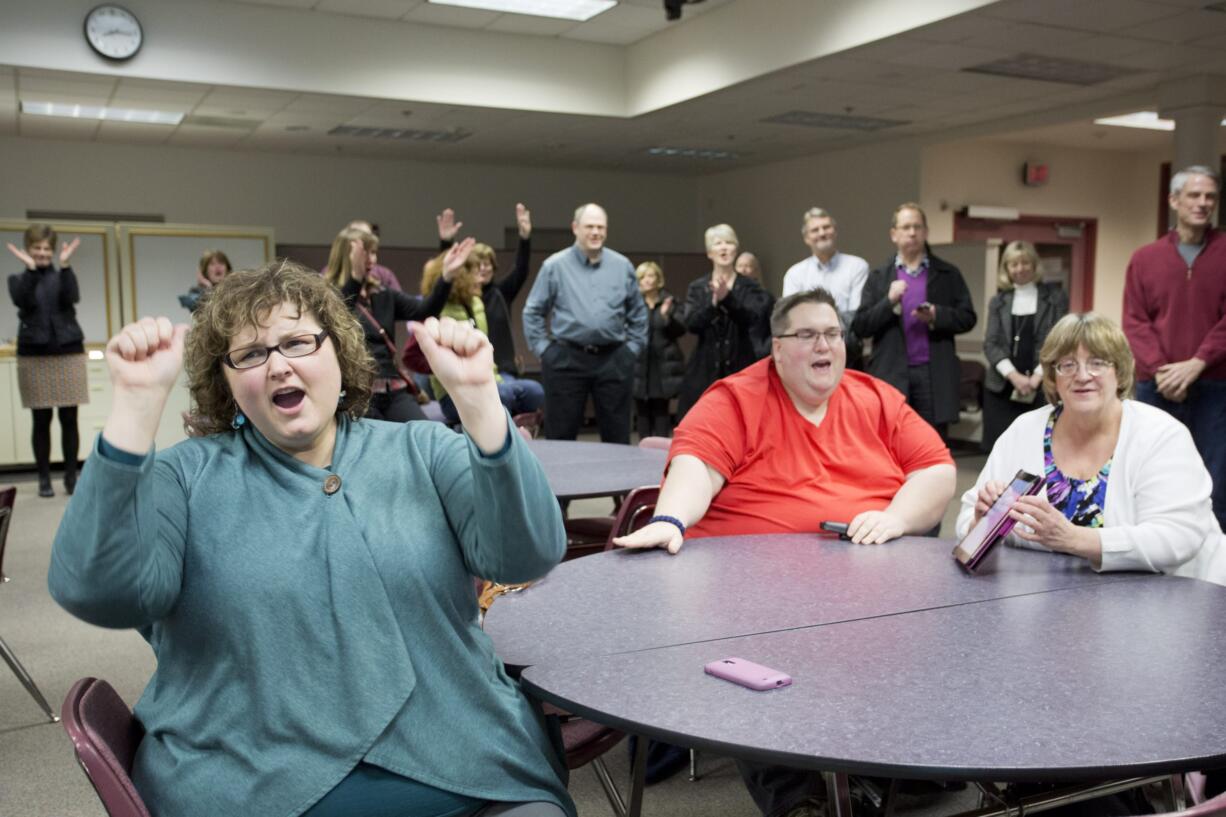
[(836, 527)]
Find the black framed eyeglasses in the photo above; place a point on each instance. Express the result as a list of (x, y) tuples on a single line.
[(831, 336), (249, 357)]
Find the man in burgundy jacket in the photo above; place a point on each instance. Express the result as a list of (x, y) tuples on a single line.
[(1175, 320)]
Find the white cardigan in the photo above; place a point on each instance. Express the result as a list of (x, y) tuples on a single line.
[(1158, 515)]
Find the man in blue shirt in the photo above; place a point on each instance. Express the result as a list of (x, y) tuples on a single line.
[(597, 328)]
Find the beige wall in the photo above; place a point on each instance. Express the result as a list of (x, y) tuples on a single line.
[(860, 187), (306, 199), (1116, 187)]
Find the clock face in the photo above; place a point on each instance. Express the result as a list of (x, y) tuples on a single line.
[(113, 32)]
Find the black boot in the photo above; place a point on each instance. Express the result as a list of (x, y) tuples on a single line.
[(44, 484), (70, 477)]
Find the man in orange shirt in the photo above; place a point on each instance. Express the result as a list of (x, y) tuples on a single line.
[(790, 442)]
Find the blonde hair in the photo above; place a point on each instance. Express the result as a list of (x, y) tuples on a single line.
[(244, 300), (464, 287), (340, 268), (718, 232), (484, 253), (908, 205), (1013, 251), (649, 266), (1101, 337)]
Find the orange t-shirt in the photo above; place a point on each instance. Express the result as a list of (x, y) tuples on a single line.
[(785, 475)]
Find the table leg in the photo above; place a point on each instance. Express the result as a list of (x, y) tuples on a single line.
[(838, 793), (638, 777)]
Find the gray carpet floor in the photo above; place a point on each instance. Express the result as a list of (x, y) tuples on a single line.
[(39, 777)]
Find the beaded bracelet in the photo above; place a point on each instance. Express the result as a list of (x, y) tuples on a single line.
[(672, 520)]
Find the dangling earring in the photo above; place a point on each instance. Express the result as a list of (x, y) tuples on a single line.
[(238, 421), (340, 399)]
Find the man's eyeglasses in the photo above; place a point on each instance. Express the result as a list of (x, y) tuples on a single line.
[(249, 357), (1095, 366), (831, 336)]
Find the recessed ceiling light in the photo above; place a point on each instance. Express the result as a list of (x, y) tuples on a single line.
[(816, 119), (561, 9), (1147, 120), (141, 117), (408, 134), (1052, 69)]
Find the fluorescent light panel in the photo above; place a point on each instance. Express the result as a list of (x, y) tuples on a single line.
[(692, 153), (134, 115), (560, 9), (1147, 120)]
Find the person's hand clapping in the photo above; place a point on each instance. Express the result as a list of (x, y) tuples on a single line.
[(720, 287), (666, 307), (875, 527), (656, 535), (357, 259), (22, 256), (67, 248)]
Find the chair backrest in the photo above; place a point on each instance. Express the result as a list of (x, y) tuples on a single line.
[(634, 512), (105, 736), (662, 443), (530, 420), (8, 497), (1210, 808)]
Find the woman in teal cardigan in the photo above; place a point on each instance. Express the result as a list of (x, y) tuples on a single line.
[(305, 578), (464, 304)]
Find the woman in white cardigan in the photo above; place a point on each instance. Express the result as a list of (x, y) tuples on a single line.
[(1125, 488)]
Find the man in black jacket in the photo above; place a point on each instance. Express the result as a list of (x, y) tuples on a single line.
[(911, 309)]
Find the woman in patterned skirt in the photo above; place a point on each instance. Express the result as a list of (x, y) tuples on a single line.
[(51, 370)]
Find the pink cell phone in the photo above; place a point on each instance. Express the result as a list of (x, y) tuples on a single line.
[(747, 673)]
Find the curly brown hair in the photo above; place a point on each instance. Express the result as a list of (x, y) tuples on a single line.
[(243, 300)]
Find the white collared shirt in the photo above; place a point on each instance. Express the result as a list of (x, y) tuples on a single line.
[(843, 278)]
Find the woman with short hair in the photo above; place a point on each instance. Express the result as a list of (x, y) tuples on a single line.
[(1124, 486), (305, 577), (213, 266), (662, 363), (729, 313)]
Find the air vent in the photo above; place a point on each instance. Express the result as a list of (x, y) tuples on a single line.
[(1052, 69), (836, 121), (407, 134), (228, 122)]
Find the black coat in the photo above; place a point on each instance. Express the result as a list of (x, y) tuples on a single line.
[(46, 311), (661, 364), (998, 336), (388, 306), (876, 320), (731, 335)]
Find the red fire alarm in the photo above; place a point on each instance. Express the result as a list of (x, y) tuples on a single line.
[(1034, 175)]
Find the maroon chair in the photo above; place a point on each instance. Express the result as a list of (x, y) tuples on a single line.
[(530, 421), (589, 534), (1210, 808), (634, 512), (105, 736), (8, 497)]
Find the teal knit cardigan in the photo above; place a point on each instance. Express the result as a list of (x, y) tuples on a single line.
[(299, 632)]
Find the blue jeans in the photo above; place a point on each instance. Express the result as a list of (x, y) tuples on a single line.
[(1204, 413), (518, 395)]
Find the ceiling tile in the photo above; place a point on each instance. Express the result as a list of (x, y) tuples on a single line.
[(339, 106), (386, 9), (301, 4), (948, 57), (435, 15), (1089, 15), (1180, 28), (632, 16), (84, 86), (528, 24)]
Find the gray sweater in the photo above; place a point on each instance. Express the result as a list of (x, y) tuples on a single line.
[(297, 632)]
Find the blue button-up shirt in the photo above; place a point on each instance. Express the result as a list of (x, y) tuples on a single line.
[(586, 302)]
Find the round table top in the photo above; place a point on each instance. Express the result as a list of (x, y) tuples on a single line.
[(585, 469), (903, 665)]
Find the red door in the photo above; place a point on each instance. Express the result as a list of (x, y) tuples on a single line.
[(1065, 245)]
